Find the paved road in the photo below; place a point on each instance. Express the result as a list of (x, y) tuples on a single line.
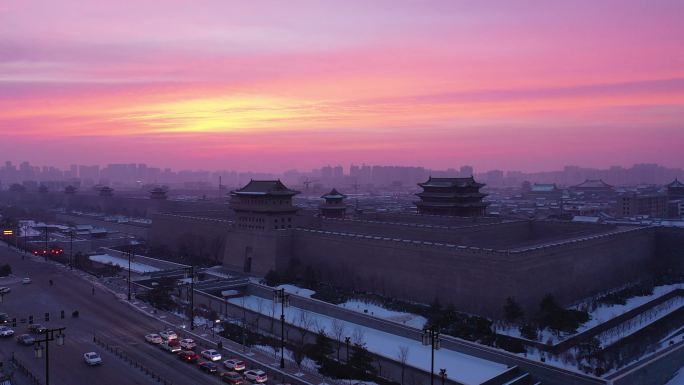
[(102, 314)]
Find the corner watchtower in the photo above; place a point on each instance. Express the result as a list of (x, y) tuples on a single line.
[(264, 205)]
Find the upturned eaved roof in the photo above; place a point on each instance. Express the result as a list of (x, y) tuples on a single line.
[(593, 183), (675, 184), (265, 187), (334, 194), (544, 187), (451, 182)]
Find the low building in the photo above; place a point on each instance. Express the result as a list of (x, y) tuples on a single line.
[(630, 204)]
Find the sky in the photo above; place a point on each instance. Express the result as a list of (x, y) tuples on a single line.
[(273, 85)]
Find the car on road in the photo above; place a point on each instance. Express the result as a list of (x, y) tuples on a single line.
[(171, 346), (187, 343), (188, 356), (25, 339), (92, 358), (4, 318), (168, 335), (154, 339), (232, 378), (6, 332), (211, 354), (234, 364), (4, 289), (256, 375), (37, 328), (26, 280), (208, 367)]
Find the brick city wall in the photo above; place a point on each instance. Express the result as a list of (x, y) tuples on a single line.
[(189, 234)]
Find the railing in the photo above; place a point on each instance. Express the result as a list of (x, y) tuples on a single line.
[(129, 360), (24, 370)]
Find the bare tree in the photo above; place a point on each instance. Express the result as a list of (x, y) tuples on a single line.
[(402, 355), (358, 337), (259, 309), (338, 330), (306, 323)]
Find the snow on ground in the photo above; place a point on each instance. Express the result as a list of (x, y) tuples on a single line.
[(123, 263), (678, 378), (300, 291), (461, 367), (374, 310)]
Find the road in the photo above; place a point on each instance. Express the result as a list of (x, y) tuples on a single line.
[(101, 314)]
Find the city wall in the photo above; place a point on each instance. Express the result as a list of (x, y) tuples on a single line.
[(189, 234)]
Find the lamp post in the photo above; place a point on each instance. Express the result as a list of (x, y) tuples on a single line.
[(130, 251), (442, 373), (46, 242), (71, 249), (49, 335), (346, 341), (431, 337), (213, 328), (279, 296)]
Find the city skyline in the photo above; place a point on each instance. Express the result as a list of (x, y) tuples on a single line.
[(254, 86)]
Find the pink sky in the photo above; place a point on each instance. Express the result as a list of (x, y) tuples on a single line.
[(272, 85)]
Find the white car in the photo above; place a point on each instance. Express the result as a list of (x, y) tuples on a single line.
[(26, 280), (187, 344), (211, 354), (153, 339), (5, 290), (234, 364), (168, 335), (171, 346), (6, 332), (92, 358), (256, 375)]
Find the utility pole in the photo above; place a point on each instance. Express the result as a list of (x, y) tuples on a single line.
[(280, 296), (192, 297), (49, 335), (71, 249), (130, 252), (46, 242)]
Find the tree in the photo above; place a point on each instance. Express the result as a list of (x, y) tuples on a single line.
[(512, 311), (160, 295), (272, 278), (402, 356), (361, 361), (338, 330), (322, 348), (529, 331)]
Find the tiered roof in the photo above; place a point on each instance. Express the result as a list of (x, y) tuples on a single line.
[(333, 194), (593, 184), (274, 188)]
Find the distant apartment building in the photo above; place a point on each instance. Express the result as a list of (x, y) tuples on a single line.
[(653, 205)]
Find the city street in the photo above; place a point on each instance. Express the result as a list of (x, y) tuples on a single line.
[(101, 314)]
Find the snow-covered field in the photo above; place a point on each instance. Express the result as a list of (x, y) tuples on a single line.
[(461, 367), (123, 263), (374, 310), (296, 290)]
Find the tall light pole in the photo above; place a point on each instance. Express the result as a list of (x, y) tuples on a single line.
[(71, 249), (279, 296), (346, 341), (431, 337), (442, 373), (130, 251), (49, 335)]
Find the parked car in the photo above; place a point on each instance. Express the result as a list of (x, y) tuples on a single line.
[(6, 332), (26, 280), (25, 339), (4, 289), (37, 328), (188, 356), (187, 343), (168, 335), (234, 364), (171, 346), (232, 378), (4, 318), (211, 354), (256, 375), (208, 367), (92, 358), (154, 339)]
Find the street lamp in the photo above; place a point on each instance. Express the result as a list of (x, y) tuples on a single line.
[(442, 373), (346, 341), (56, 335), (279, 296), (213, 328), (431, 337)]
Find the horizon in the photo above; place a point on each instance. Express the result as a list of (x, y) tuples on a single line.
[(253, 86)]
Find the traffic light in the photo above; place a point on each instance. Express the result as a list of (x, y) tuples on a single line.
[(61, 314), (47, 317), (30, 319)]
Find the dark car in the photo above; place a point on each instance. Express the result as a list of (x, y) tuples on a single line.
[(232, 378), (25, 339), (36, 328), (188, 356), (208, 367), (4, 318)]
